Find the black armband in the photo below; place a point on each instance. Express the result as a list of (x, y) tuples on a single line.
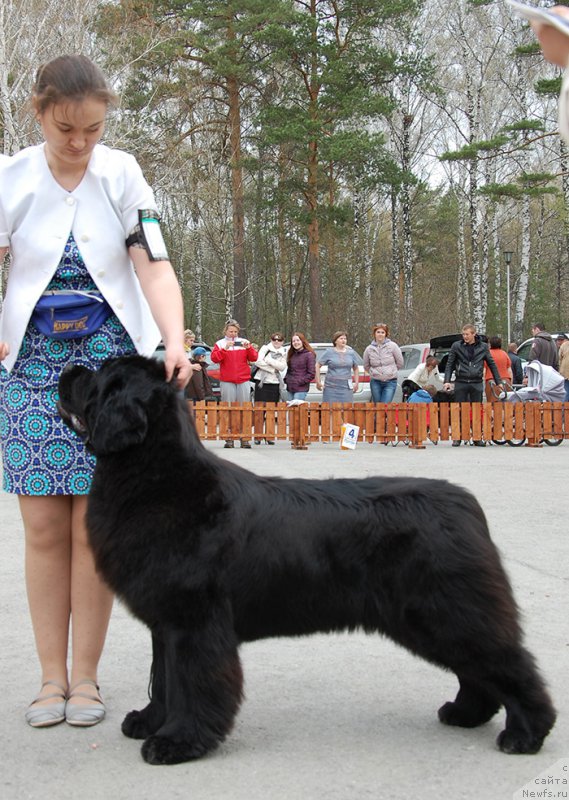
[(147, 234)]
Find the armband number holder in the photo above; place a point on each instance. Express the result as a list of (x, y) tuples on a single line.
[(149, 235)]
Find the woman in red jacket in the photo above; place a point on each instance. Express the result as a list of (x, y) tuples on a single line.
[(502, 360), (233, 354)]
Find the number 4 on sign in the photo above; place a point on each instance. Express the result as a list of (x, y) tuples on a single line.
[(349, 436)]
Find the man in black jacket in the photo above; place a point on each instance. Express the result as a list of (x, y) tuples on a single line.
[(466, 359)]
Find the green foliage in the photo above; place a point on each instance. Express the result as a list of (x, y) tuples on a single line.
[(528, 50), (550, 87)]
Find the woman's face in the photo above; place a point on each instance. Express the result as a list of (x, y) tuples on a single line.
[(380, 335), (71, 130), (341, 341), (296, 342), (231, 332)]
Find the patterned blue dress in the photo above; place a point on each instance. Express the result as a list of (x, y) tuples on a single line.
[(41, 455)]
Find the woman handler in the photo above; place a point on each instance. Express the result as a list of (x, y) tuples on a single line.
[(70, 215)]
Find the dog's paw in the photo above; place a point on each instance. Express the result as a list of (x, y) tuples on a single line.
[(453, 714), (466, 716), (516, 741), (137, 725), (162, 750)]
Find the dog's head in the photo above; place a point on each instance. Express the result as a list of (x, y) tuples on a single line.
[(111, 408)]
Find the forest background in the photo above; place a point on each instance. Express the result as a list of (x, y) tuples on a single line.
[(328, 164)]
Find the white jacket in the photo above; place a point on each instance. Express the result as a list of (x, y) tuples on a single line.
[(36, 217), (272, 360)]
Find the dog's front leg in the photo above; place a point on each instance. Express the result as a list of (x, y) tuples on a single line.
[(203, 681), (141, 724)]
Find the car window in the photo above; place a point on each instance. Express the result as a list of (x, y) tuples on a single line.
[(523, 350), (411, 358)]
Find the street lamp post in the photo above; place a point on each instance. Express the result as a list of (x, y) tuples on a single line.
[(508, 259)]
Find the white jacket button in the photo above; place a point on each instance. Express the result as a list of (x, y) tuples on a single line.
[(70, 201), (120, 304), (85, 238)]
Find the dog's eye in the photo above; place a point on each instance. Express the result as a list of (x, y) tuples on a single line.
[(78, 424)]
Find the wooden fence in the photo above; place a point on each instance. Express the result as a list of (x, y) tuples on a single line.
[(410, 423)]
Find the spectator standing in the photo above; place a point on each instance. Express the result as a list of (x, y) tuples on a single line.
[(233, 354), (564, 362), (189, 339), (268, 379), (271, 366), (517, 368), (342, 377), (467, 359), (301, 367), (543, 348), (503, 363), (382, 359)]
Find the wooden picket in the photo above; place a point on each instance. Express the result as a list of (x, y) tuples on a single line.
[(413, 424)]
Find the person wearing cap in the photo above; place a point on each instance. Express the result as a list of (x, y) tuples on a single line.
[(564, 361), (555, 48), (199, 386)]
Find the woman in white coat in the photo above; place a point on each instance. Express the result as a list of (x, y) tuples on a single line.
[(67, 209)]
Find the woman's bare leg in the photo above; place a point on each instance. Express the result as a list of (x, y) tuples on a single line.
[(47, 525), (91, 605)]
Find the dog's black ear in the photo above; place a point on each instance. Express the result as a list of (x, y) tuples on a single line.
[(120, 423)]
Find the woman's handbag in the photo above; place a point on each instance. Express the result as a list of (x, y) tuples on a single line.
[(70, 314)]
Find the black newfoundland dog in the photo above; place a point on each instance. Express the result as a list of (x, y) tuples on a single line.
[(257, 557)]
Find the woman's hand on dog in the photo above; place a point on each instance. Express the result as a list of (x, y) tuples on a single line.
[(178, 364)]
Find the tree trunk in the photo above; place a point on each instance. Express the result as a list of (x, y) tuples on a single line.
[(239, 273)]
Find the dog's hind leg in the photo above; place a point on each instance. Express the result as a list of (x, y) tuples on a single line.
[(530, 714), (140, 724), (203, 681), (511, 680)]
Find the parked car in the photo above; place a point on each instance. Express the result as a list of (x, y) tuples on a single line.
[(525, 347), (212, 369)]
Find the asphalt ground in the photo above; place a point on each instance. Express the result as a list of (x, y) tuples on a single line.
[(335, 717)]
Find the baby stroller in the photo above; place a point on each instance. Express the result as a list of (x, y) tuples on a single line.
[(544, 384)]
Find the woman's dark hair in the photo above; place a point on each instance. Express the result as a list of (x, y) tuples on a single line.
[(495, 342), (337, 335), (72, 78), (305, 344)]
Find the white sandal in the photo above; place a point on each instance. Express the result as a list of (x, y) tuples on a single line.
[(84, 716), (45, 716)]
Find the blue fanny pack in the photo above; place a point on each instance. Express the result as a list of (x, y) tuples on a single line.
[(70, 314)]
